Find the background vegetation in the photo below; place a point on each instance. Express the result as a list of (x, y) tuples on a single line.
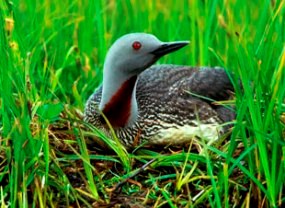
[(52, 54)]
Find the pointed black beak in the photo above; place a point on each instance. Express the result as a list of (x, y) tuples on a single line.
[(168, 48)]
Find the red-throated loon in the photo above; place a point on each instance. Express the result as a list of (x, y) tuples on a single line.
[(152, 104)]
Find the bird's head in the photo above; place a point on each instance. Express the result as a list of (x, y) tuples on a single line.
[(133, 53)]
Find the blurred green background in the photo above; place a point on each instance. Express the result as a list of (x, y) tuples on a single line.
[(69, 39), (52, 53)]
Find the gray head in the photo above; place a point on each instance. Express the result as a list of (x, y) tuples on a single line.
[(133, 53), (127, 58)]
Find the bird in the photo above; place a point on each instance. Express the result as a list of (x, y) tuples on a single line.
[(163, 104)]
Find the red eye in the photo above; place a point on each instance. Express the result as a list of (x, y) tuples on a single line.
[(137, 45)]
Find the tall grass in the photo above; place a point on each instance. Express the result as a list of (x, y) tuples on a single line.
[(52, 55)]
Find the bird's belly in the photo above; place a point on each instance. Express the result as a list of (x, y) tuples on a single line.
[(177, 135)]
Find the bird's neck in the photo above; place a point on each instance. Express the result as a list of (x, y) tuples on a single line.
[(118, 101)]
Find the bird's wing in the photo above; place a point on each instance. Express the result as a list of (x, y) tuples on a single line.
[(187, 87), (212, 83)]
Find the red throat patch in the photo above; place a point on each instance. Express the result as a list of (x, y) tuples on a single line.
[(118, 109)]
